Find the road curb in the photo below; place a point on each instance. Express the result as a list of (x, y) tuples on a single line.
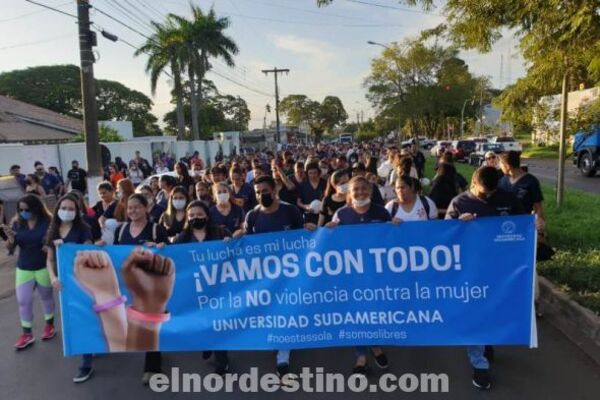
[(578, 323)]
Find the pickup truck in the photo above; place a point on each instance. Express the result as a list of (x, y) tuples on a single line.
[(509, 143), (586, 151)]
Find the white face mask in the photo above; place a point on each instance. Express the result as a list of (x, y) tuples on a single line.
[(66, 215), (222, 198), (361, 203), (343, 188), (179, 204)]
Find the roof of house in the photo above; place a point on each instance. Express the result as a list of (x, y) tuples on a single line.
[(22, 122)]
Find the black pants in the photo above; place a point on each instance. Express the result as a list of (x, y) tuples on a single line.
[(153, 362)]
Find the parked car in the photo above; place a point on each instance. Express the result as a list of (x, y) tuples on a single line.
[(480, 140), (424, 143), (477, 157), (440, 147), (508, 142), (462, 149), (586, 151)]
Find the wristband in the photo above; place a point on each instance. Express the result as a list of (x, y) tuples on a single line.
[(147, 317), (109, 304)]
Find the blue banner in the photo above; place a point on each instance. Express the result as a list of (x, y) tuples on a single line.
[(417, 283)]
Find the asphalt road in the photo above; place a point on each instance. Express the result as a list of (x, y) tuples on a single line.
[(557, 370), (547, 172)]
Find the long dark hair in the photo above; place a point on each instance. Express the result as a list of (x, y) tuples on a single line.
[(78, 222), (185, 174), (212, 232), (333, 180), (446, 178), (36, 206), (170, 213)]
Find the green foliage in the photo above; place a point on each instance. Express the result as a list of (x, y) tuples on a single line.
[(58, 88), (320, 117), (105, 133)]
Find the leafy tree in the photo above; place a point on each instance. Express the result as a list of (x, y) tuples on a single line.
[(105, 133), (320, 117), (165, 49), (58, 88)]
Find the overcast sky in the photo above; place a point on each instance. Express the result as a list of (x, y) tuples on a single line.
[(325, 48)]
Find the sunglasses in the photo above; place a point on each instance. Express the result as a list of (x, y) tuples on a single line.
[(491, 158)]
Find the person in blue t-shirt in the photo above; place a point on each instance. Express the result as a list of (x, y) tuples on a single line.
[(27, 232), (155, 209), (311, 190), (225, 214), (243, 193), (272, 215), (362, 211), (50, 182), (67, 226)]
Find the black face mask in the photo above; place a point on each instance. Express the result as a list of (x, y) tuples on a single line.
[(265, 200), (198, 223)]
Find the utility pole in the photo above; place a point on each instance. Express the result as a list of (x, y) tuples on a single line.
[(560, 183), (276, 71), (87, 39)]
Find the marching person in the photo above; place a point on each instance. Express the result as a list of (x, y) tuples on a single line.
[(199, 227), (27, 232), (140, 231), (335, 196), (173, 218), (484, 199), (360, 210), (410, 204), (225, 214), (67, 226)]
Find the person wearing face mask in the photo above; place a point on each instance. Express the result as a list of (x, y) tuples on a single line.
[(67, 226), (173, 219), (200, 227), (484, 199), (336, 196), (155, 209), (27, 232), (272, 215), (361, 210), (225, 214)]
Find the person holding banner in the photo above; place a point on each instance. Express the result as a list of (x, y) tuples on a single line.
[(140, 231), (272, 215), (484, 199), (225, 213), (173, 219), (68, 226), (410, 205), (27, 231), (199, 227), (361, 210)]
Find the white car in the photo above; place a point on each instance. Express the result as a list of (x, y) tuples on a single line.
[(146, 182), (509, 143), (440, 147)]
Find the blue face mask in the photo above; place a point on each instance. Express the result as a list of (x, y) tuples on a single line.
[(25, 215)]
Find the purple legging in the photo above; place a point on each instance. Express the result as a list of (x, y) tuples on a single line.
[(26, 283)]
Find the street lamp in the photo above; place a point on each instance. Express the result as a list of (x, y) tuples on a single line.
[(377, 44)]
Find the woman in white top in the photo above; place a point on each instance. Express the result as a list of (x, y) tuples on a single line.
[(410, 205)]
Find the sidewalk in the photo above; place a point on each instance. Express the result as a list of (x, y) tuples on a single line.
[(7, 274)]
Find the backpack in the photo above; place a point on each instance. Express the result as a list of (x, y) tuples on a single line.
[(126, 225), (396, 205)]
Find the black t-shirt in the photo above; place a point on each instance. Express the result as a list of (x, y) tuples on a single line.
[(330, 206), (526, 188), (185, 182), (232, 221), (109, 212), (307, 193), (155, 213), (286, 217), (174, 228), (349, 216), (100, 211), (500, 203), (376, 197), (286, 195), (77, 177), (443, 190), (151, 233)]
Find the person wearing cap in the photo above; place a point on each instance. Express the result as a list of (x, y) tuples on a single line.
[(484, 199), (15, 171), (77, 178)]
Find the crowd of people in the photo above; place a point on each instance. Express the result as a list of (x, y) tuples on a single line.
[(172, 202)]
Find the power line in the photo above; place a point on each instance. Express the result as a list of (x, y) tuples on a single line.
[(51, 8), (14, 46), (31, 13), (120, 22), (131, 16), (150, 7), (312, 23), (392, 7)]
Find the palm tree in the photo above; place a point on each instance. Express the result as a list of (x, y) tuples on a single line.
[(164, 49), (204, 37)]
